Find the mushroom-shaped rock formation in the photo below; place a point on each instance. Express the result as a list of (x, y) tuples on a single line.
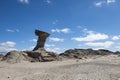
[(42, 36), (39, 54)]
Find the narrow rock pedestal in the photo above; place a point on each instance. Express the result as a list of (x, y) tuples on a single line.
[(42, 36)]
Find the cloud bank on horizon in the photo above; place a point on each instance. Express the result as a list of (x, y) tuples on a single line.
[(72, 24)]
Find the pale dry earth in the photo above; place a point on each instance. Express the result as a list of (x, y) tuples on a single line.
[(103, 68)]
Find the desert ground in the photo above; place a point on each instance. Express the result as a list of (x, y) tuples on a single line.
[(101, 68)]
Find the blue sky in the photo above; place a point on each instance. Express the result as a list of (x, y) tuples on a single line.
[(71, 23)]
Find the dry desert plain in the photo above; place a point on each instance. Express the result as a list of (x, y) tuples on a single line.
[(102, 68)]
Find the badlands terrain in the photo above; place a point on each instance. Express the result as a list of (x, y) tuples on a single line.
[(106, 67)]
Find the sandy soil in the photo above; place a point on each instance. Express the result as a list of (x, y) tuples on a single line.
[(104, 68)]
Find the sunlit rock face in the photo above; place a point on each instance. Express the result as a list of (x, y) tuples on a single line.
[(42, 36)]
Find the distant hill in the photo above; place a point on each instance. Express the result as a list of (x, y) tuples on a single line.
[(84, 53)]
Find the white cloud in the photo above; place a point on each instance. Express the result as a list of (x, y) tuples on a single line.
[(17, 30), (117, 47), (86, 31), (55, 39), (79, 27), (91, 36), (56, 30), (24, 1), (111, 1), (99, 4), (58, 50), (106, 44), (64, 30), (6, 49), (8, 44), (49, 45), (48, 1), (11, 30), (54, 22), (33, 40), (115, 38), (31, 48), (98, 48)]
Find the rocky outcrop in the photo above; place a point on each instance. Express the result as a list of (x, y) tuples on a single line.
[(14, 56), (40, 55), (84, 53)]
